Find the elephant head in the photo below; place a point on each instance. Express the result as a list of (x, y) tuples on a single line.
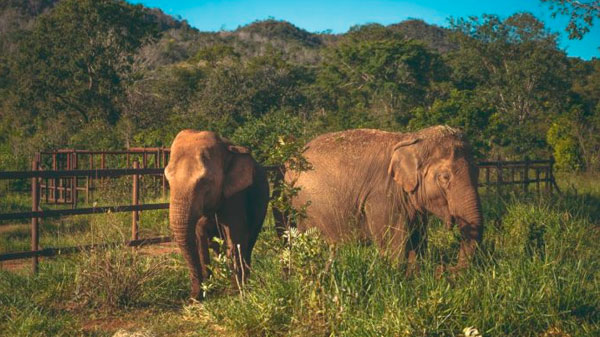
[(437, 171), (203, 170)]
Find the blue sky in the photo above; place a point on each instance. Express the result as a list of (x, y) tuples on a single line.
[(339, 15)]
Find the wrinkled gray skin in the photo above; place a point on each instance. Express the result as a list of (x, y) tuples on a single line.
[(380, 186), (217, 188)]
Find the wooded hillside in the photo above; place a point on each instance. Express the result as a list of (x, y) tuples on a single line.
[(107, 74)]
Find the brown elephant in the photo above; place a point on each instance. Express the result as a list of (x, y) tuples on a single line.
[(216, 188), (380, 186)]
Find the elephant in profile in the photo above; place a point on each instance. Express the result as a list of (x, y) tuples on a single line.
[(380, 186), (217, 188)]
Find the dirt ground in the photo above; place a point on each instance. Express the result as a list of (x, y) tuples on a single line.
[(25, 264)]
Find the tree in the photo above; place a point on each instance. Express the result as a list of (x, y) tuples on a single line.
[(376, 82), (575, 134), (516, 67), (581, 14), (214, 90), (575, 139), (72, 67), (463, 109)]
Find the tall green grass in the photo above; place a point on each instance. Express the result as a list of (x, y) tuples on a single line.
[(537, 274), (84, 229)]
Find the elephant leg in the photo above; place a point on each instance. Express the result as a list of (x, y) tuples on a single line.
[(238, 252), (401, 243), (387, 228), (202, 238), (416, 244), (257, 202), (417, 241), (391, 242), (232, 217)]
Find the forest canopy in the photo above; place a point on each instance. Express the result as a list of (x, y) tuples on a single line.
[(106, 74)]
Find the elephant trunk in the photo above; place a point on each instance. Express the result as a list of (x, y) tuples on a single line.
[(182, 221), (471, 214), (470, 221)]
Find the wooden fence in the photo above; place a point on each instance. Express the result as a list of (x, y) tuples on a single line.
[(36, 175), (497, 174), (493, 175), (64, 190)]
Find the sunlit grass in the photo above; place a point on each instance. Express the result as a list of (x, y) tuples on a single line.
[(537, 274)]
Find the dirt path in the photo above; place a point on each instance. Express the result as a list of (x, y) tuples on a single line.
[(23, 265), (12, 228)]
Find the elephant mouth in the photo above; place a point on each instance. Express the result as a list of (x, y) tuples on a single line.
[(452, 221)]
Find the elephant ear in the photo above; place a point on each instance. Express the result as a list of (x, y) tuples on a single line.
[(404, 165), (240, 172)]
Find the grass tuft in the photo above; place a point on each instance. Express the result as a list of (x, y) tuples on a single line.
[(537, 274)]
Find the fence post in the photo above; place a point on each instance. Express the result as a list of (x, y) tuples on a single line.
[(512, 176), (537, 181), (43, 189), (135, 194), (548, 181), (499, 175), (156, 178), (552, 181), (487, 179), (526, 175), (55, 181), (164, 180), (66, 182), (35, 226), (74, 191), (103, 166), (88, 179)]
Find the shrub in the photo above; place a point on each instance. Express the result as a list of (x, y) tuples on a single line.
[(565, 147), (121, 278)]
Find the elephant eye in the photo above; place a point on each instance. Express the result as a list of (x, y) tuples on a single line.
[(444, 177)]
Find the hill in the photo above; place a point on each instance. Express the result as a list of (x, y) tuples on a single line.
[(435, 37), (105, 73)]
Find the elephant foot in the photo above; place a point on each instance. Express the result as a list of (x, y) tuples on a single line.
[(192, 301), (195, 298), (457, 269), (412, 270), (196, 295), (412, 267), (439, 272), (452, 270)]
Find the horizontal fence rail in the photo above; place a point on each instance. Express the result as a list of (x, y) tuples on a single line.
[(62, 177), (132, 150), (99, 173), (65, 190), (545, 162), (81, 211), (492, 174), (36, 175), (522, 172), (48, 252)]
